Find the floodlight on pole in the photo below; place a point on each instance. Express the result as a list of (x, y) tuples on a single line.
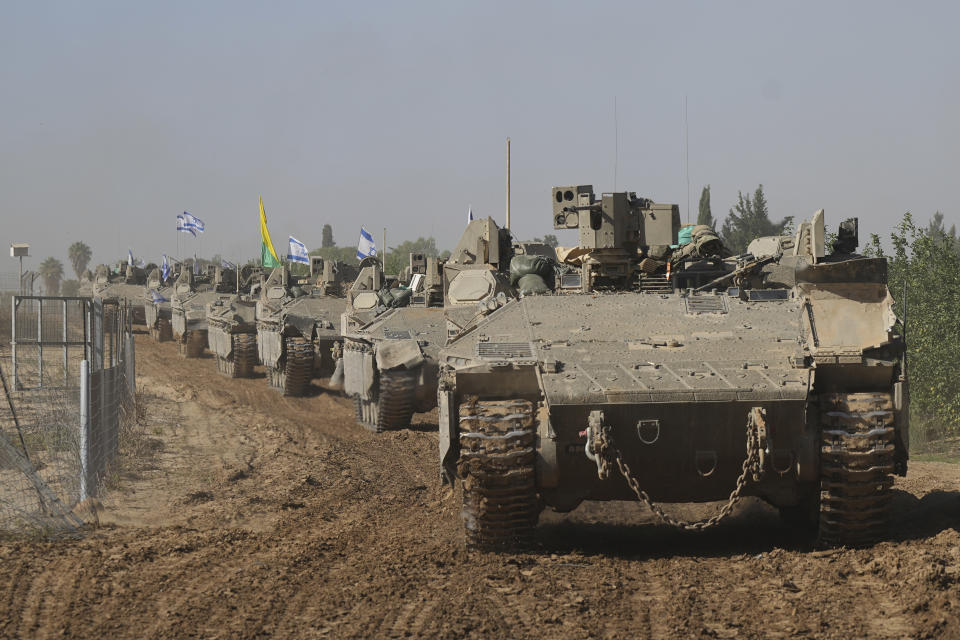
[(20, 250)]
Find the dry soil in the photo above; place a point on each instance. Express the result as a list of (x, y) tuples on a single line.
[(253, 515)]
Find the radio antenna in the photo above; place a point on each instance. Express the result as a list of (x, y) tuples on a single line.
[(686, 141), (616, 142)]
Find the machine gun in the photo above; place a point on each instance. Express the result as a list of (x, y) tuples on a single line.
[(753, 265)]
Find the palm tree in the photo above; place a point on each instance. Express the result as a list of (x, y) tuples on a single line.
[(51, 270), (79, 254)]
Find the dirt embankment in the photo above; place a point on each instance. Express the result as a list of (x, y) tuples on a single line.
[(262, 516)]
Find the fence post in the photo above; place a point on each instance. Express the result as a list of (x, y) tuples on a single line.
[(85, 467), (14, 302), (66, 349), (40, 340), (130, 365)]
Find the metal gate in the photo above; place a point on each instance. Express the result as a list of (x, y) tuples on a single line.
[(51, 335)]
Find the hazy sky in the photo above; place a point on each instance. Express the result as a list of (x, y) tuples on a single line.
[(117, 116)]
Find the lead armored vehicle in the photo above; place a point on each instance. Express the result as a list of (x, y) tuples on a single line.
[(232, 326), (298, 324), (781, 377), (188, 306), (392, 337)]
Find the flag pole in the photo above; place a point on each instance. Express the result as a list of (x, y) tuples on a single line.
[(508, 184)]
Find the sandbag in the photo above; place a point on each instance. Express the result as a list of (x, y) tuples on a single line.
[(532, 284), (521, 266), (659, 251)]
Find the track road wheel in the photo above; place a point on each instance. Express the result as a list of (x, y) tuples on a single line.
[(497, 454), (856, 460), (298, 368)]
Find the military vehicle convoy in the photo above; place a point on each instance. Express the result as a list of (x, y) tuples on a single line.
[(298, 324), (777, 374), (232, 326), (188, 306)]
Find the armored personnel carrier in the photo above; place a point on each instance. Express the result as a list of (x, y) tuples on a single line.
[(122, 283), (298, 324), (392, 337), (232, 326), (782, 377), (156, 304), (188, 306)]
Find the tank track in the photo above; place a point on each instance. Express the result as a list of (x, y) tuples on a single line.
[(244, 354), (394, 406), (297, 370), (164, 330), (497, 455), (241, 363), (856, 462), (192, 343)]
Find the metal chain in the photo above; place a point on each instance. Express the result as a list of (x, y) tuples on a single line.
[(607, 452)]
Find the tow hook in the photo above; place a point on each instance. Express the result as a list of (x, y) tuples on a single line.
[(594, 425)]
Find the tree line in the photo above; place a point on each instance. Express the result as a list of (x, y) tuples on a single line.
[(924, 279), (747, 220)]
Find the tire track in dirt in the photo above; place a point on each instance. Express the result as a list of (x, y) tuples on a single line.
[(314, 527)]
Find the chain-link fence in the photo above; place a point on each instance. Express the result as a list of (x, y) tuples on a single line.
[(60, 421)]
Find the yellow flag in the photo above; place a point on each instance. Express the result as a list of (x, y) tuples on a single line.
[(268, 255)]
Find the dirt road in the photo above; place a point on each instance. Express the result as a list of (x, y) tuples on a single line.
[(260, 516)]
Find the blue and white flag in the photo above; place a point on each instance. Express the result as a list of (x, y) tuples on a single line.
[(129, 257), (157, 298), (226, 264), (196, 266), (469, 214), (298, 252), (366, 247), (193, 222), (141, 263), (182, 226), (164, 268)]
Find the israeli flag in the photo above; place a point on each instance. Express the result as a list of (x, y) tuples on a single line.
[(129, 257), (469, 214), (297, 252), (164, 268), (226, 264), (157, 298), (182, 226), (193, 222), (367, 247)]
